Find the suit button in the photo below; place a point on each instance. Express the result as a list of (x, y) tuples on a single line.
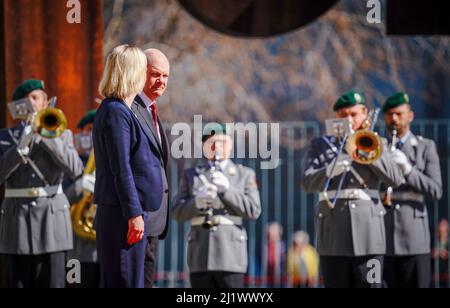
[(33, 175), (320, 215), (353, 206), (33, 203), (397, 207), (166, 191)]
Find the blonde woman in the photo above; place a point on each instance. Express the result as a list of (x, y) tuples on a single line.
[(129, 184)]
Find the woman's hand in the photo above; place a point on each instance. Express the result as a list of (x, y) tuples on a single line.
[(135, 230)]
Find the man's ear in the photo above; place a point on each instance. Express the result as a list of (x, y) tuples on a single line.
[(411, 116)]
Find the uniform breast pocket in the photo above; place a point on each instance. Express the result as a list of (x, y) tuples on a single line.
[(61, 221), (323, 224), (379, 232), (192, 252), (239, 240)]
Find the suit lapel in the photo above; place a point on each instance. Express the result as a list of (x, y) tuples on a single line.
[(164, 143), (144, 120)]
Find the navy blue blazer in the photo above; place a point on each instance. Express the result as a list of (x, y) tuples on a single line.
[(128, 170)]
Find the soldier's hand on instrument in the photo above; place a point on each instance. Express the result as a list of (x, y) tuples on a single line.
[(135, 230), (402, 161), (221, 181), (205, 196), (341, 164), (25, 140), (88, 183)]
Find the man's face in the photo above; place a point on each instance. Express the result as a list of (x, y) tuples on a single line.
[(399, 118), (220, 144), (157, 79), (87, 128), (38, 100), (356, 115)]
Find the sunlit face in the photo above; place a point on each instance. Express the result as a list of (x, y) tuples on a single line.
[(356, 115), (157, 79), (274, 233), (399, 118), (38, 100), (220, 144)]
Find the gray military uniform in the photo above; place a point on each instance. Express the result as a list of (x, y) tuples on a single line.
[(224, 249), (407, 225), (355, 227), (34, 226)]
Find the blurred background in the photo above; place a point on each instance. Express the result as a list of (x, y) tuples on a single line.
[(241, 61)]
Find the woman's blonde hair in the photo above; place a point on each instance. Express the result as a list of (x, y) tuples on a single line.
[(125, 72)]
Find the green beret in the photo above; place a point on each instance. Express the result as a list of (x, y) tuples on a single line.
[(396, 100), (27, 87), (349, 99), (213, 129), (87, 118)]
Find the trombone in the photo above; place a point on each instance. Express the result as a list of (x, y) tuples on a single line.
[(364, 147), (50, 122)]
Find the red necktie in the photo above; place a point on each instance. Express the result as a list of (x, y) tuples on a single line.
[(154, 111)]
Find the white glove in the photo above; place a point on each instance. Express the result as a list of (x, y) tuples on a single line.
[(402, 161), (25, 140), (88, 183), (221, 181), (205, 197), (343, 164)]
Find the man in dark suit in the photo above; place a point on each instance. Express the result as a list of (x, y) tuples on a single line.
[(146, 108)]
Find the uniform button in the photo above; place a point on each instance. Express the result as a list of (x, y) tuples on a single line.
[(33, 175), (66, 206), (2, 212), (381, 213), (242, 238), (397, 207), (320, 215), (353, 206), (33, 203), (166, 191)]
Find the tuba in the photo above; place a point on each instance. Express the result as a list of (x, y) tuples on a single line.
[(83, 212)]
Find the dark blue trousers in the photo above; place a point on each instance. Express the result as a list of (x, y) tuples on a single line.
[(121, 265)]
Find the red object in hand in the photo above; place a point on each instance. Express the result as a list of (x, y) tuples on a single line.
[(135, 230)]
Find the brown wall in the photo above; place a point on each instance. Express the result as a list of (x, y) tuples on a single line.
[(38, 42)]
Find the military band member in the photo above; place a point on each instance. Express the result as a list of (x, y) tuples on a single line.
[(84, 250), (217, 197), (35, 227), (352, 233), (407, 262)]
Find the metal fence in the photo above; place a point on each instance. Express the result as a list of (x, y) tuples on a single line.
[(283, 201)]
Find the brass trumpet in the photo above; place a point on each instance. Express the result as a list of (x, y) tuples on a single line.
[(50, 123), (365, 146)]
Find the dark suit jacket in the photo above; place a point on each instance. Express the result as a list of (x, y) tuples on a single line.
[(127, 162), (158, 220)]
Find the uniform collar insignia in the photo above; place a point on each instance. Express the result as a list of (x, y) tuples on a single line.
[(414, 141), (232, 170)]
